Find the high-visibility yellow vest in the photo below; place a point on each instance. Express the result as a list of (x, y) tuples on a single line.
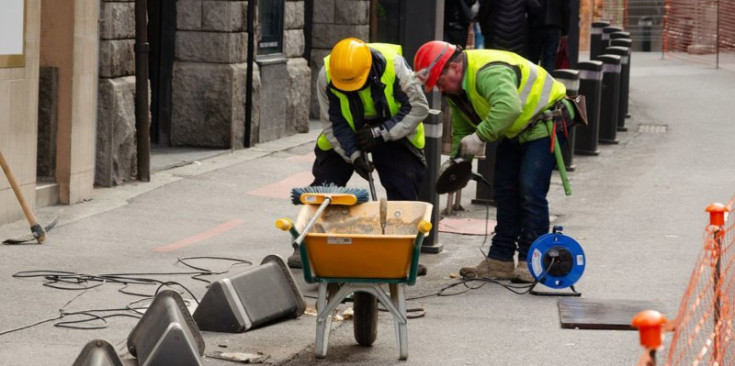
[(537, 90), (389, 52)]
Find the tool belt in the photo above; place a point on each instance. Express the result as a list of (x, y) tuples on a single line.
[(560, 115)]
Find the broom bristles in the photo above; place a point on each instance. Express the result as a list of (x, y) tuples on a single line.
[(360, 194)]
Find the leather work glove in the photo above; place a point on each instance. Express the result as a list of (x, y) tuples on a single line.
[(362, 166), (369, 137), (472, 145)]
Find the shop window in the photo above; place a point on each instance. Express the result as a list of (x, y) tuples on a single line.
[(271, 26)]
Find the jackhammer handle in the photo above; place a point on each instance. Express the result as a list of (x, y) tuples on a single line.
[(559, 159)]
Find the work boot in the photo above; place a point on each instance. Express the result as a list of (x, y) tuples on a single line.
[(421, 270), (502, 270), (523, 274), (294, 261)]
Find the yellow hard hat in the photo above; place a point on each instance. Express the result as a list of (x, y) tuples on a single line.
[(349, 64)]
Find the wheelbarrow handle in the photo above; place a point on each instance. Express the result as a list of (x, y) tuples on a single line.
[(297, 242)]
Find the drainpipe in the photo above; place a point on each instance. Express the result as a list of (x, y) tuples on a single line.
[(249, 72), (308, 23), (142, 117)]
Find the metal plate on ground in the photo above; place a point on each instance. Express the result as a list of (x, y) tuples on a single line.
[(604, 314)]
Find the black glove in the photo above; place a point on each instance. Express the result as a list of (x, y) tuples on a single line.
[(368, 137), (362, 166)]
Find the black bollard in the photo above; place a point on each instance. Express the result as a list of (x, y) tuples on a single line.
[(606, 32), (427, 191), (624, 53), (590, 85), (625, 42), (619, 35), (610, 96), (485, 195), (596, 38), (646, 23), (570, 79)]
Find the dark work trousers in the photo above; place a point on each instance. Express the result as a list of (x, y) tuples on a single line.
[(522, 178), (457, 36), (542, 46), (400, 170)]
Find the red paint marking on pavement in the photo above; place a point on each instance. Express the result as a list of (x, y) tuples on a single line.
[(229, 225), (309, 158), (282, 188)]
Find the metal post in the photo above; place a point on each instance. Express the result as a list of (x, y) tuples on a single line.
[(610, 96), (606, 32), (427, 193), (717, 213), (485, 195), (590, 85), (717, 38), (625, 42), (619, 35), (570, 79), (412, 36), (142, 116), (250, 59), (646, 23), (624, 53), (596, 38)]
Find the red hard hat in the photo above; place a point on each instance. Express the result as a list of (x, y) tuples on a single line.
[(430, 60)]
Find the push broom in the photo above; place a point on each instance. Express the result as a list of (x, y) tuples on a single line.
[(324, 196)]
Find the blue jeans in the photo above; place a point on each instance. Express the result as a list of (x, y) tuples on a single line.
[(522, 178)]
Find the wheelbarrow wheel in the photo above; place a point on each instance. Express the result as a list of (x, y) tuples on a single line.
[(366, 318)]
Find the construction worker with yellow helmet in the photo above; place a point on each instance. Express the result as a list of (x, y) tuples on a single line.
[(370, 101), (500, 96)]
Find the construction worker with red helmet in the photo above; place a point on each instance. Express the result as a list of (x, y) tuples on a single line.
[(370, 101), (500, 96)]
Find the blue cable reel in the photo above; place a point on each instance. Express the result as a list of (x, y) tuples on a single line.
[(556, 261)]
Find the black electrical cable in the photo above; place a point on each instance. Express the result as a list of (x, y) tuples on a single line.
[(78, 281)]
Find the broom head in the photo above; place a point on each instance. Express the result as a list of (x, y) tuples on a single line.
[(315, 195)]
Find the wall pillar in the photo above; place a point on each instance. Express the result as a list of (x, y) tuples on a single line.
[(70, 42)]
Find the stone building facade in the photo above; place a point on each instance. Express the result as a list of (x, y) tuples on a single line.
[(84, 107), (333, 20), (116, 149), (208, 83)]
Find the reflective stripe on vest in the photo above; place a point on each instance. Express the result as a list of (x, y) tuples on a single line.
[(389, 52), (537, 90)]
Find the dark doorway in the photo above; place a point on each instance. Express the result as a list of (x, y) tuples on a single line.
[(162, 38), (387, 18)]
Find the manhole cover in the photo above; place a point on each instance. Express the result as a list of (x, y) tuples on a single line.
[(652, 128)]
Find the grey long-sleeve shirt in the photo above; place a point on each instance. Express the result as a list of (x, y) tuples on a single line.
[(414, 109)]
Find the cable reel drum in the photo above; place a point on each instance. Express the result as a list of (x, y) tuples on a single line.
[(556, 261)]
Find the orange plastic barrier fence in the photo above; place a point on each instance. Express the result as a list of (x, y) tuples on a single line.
[(699, 31), (703, 329)]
